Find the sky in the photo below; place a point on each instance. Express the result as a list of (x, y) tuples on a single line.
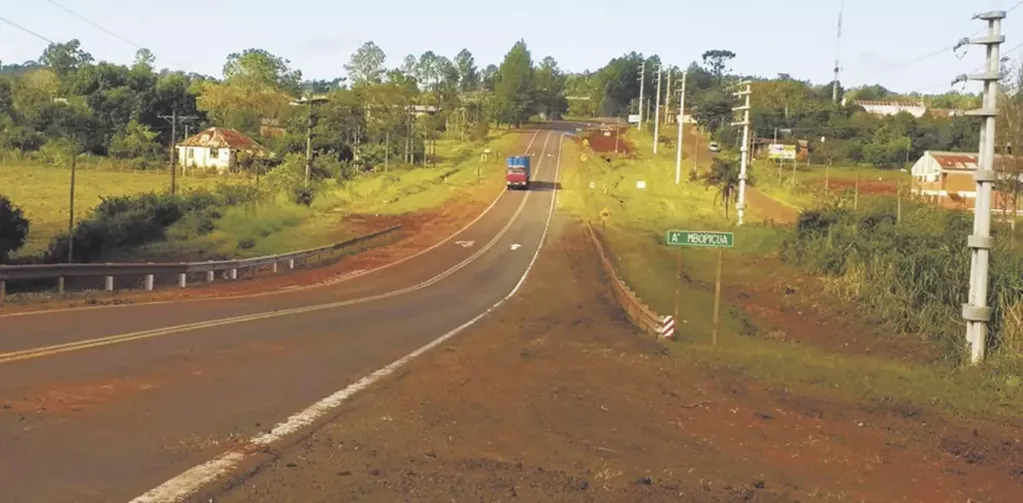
[(882, 40)]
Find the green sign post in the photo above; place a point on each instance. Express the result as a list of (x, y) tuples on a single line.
[(702, 239)]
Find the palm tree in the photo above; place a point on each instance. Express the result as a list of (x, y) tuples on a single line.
[(724, 176)]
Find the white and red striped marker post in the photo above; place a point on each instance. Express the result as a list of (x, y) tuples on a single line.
[(667, 329)]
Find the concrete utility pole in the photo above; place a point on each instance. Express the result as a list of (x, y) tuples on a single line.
[(976, 312), (657, 111), (667, 99), (642, 79), (740, 204), (174, 118), (681, 126)]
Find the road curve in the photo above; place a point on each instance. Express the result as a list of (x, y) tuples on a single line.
[(105, 404)]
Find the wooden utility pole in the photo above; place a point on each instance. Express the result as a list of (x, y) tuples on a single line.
[(174, 118)]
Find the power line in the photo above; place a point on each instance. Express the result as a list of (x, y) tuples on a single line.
[(26, 30), (107, 30)]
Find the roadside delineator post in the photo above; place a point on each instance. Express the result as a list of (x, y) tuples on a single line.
[(182, 280), (667, 329), (108, 283), (149, 282)]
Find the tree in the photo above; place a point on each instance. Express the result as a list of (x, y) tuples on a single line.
[(724, 176), (258, 67), (716, 61), (488, 77), (513, 91), (550, 89), (13, 228), (65, 58), (366, 65), (468, 76)]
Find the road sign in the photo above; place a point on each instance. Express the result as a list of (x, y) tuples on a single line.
[(779, 151), (605, 213), (701, 238)]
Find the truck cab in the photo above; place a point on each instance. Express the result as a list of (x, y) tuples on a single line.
[(518, 174)]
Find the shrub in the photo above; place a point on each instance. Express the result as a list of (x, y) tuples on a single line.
[(13, 228)]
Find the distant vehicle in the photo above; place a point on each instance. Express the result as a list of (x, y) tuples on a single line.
[(714, 147), (518, 172)]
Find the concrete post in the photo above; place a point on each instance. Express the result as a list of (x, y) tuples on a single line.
[(275, 267), (740, 204), (210, 275), (182, 280), (149, 282), (108, 283), (3, 291), (60, 285), (234, 273), (291, 264)]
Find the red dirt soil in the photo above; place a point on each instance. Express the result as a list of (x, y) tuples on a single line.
[(875, 188), (605, 144), (555, 397)]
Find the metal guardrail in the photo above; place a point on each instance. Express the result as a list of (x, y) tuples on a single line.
[(640, 314), (109, 271)]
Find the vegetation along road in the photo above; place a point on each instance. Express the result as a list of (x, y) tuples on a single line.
[(490, 349)]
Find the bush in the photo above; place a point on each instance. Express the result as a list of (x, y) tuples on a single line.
[(910, 274), (13, 228), (123, 222)]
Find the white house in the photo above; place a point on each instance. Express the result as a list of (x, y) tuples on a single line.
[(216, 148)]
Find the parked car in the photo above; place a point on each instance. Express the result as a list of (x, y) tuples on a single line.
[(714, 147)]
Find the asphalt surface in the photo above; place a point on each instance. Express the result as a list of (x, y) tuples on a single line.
[(97, 409)]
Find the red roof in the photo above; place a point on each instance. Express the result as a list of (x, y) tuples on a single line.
[(216, 137), (953, 160)]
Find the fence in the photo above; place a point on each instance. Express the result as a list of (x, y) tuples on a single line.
[(640, 314), (182, 270)]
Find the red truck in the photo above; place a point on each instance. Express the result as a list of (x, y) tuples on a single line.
[(518, 174)]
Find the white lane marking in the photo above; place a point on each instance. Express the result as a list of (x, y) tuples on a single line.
[(465, 244), (292, 289), (515, 246), (191, 481)]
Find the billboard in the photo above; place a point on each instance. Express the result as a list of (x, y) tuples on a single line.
[(633, 118), (779, 151)]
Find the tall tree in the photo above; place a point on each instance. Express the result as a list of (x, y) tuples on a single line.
[(366, 65), (468, 75), (550, 89), (65, 58), (716, 61), (513, 92), (261, 68)]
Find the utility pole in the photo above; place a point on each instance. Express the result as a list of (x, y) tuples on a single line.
[(976, 312), (311, 101), (681, 126), (174, 118), (657, 111), (740, 204), (642, 79), (71, 205), (667, 99)]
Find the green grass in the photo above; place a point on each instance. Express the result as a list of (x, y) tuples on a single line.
[(42, 192), (280, 226), (635, 233)]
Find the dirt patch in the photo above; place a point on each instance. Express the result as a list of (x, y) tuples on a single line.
[(871, 188), (608, 140), (769, 208), (555, 397)]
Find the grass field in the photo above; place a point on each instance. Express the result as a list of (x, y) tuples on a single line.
[(635, 232), (280, 226), (806, 186), (43, 193)]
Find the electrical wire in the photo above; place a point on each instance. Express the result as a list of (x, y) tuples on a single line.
[(107, 30), (26, 30)]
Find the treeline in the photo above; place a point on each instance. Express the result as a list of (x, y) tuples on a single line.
[(796, 109), (68, 102)]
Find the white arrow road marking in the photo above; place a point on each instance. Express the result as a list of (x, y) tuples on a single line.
[(465, 244), (516, 246)]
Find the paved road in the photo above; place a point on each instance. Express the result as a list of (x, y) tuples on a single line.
[(105, 404)]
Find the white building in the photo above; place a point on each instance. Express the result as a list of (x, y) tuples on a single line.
[(916, 109), (216, 148)]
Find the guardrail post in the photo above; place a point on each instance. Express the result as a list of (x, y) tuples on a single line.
[(291, 264), (234, 273), (182, 280), (275, 267), (149, 282), (109, 283), (3, 291), (210, 275), (60, 285)]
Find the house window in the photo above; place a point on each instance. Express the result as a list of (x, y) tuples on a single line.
[(189, 153), (214, 153)]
